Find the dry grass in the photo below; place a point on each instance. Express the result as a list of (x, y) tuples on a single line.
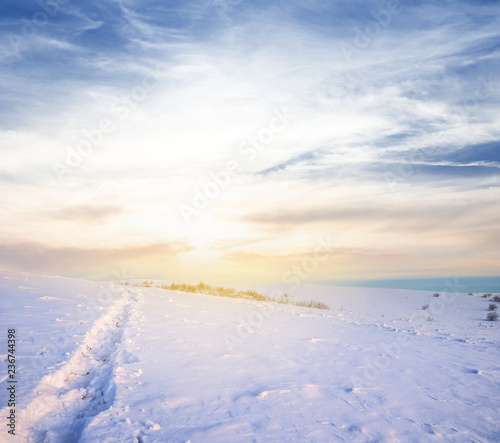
[(492, 316), (220, 291)]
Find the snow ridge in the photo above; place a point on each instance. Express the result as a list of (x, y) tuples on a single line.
[(68, 399)]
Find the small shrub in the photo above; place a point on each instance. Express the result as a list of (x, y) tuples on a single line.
[(486, 295), (496, 298), (425, 307), (492, 316), (470, 293), (126, 283), (436, 294), (430, 319), (202, 286), (312, 304), (220, 291), (492, 307)]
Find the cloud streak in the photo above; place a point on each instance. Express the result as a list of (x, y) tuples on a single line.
[(393, 143), (94, 263)]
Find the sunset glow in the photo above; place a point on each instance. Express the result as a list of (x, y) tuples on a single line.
[(224, 141)]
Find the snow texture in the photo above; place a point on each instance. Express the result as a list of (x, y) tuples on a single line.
[(103, 362)]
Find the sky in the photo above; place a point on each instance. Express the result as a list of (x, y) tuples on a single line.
[(249, 142)]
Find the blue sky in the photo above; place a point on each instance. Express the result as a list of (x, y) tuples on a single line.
[(373, 122)]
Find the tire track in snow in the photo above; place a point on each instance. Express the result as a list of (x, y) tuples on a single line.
[(67, 400)]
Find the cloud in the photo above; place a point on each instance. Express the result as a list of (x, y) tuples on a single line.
[(306, 157), (86, 214), (395, 142), (94, 262), (394, 215)]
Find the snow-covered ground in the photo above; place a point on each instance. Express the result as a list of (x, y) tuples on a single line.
[(102, 362)]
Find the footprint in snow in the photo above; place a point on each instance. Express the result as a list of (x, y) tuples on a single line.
[(313, 340), (265, 394)]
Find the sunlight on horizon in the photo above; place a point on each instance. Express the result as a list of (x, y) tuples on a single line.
[(228, 149)]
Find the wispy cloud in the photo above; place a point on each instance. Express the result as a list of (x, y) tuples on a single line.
[(93, 262), (97, 214), (396, 141)]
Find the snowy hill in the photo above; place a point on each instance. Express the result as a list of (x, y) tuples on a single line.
[(103, 362)]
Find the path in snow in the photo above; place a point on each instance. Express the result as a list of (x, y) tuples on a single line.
[(165, 366), (299, 375), (85, 386)]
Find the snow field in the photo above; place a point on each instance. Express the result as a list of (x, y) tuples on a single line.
[(85, 385), (166, 366)]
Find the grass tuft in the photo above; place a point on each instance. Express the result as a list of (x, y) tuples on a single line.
[(220, 291), (492, 316)]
